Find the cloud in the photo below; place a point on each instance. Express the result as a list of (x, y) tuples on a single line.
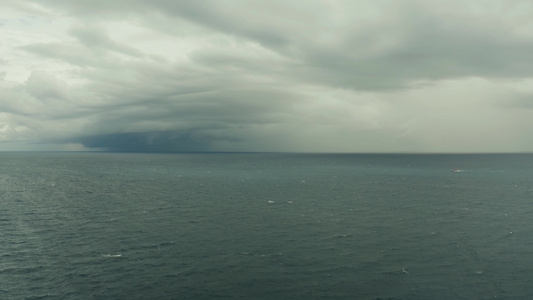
[(98, 40), (400, 45), (162, 141), (336, 76)]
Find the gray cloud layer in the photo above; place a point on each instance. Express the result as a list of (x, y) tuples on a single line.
[(344, 76)]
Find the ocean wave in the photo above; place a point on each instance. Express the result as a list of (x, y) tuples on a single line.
[(112, 255)]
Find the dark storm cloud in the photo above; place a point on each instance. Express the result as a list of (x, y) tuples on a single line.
[(283, 75), (207, 110), (163, 141)]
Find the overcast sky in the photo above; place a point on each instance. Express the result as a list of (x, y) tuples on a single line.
[(230, 75)]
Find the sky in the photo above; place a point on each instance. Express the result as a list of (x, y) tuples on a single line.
[(289, 75)]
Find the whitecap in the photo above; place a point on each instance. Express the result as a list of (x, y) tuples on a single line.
[(112, 255)]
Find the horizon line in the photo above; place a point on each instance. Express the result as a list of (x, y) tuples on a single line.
[(266, 152)]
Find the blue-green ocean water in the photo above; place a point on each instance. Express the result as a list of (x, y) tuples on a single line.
[(265, 226)]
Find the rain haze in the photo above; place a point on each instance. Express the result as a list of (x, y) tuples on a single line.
[(294, 76)]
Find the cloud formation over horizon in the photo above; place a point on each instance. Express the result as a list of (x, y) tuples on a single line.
[(313, 76)]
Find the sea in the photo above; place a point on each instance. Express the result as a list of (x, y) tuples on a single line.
[(95, 225)]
